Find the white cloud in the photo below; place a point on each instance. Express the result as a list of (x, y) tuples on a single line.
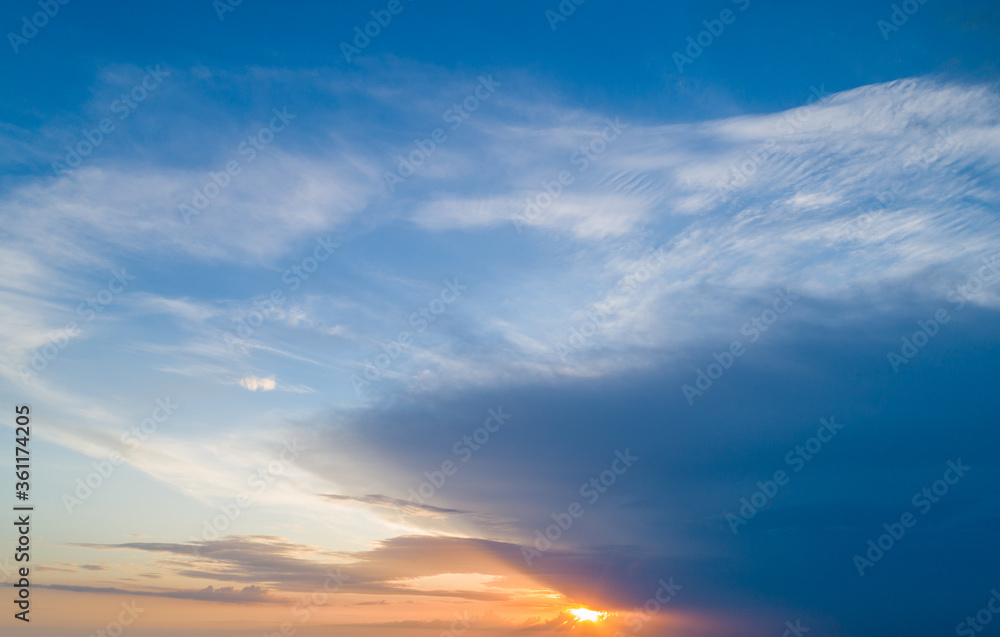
[(794, 221), (927, 151), (255, 383)]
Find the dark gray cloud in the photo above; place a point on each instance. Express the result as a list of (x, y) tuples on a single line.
[(666, 516), (397, 504)]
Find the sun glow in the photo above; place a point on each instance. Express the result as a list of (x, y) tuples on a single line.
[(587, 615)]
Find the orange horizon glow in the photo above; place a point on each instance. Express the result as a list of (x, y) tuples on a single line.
[(586, 615)]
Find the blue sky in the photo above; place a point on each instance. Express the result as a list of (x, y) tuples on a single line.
[(513, 250)]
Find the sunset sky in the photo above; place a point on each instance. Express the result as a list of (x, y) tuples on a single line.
[(529, 317)]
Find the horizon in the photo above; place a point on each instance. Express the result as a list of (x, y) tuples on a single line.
[(412, 319)]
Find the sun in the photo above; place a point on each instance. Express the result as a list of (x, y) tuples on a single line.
[(586, 615)]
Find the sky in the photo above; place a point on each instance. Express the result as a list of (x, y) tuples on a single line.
[(402, 318)]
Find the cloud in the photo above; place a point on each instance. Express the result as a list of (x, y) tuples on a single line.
[(383, 570), (738, 206), (404, 506), (225, 594), (867, 189), (255, 383), (871, 205), (44, 568)]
